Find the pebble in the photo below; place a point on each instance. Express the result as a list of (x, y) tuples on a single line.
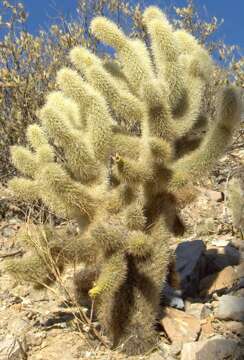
[(199, 310), (8, 232), (180, 326), (235, 327), (218, 282), (11, 348), (217, 348), (230, 308)]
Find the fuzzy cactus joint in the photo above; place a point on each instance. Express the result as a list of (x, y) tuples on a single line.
[(109, 153)]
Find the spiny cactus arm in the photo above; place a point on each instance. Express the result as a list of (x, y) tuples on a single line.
[(83, 59), (118, 198), (25, 189), (152, 13), (55, 123), (114, 69), (45, 154), (126, 107), (127, 145), (188, 45), (51, 250), (98, 122), (192, 53), (36, 136), (79, 159), (39, 142), (79, 248), (191, 166), (76, 197), (113, 273), (135, 67), (31, 191), (100, 133), (160, 122), (131, 171), (63, 247), (195, 91), (73, 87), (161, 150), (134, 215), (33, 236), (55, 204), (31, 269), (24, 160), (139, 244), (165, 52), (67, 106), (109, 237)]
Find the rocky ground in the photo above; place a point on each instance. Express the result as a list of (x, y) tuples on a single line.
[(203, 319)]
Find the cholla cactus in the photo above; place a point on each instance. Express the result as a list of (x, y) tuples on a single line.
[(120, 176)]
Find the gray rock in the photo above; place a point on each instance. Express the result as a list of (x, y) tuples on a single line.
[(219, 282), (34, 339), (235, 327), (11, 348), (217, 348), (230, 308), (180, 326), (18, 326), (189, 265), (8, 232), (200, 311)]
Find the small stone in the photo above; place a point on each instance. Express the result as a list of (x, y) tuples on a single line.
[(18, 325), (230, 308), (217, 196), (34, 339), (200, 311), (218, 282), (217, 348), (11, 348), (235, 327), (220, 242), (8, 232), (180, 326)]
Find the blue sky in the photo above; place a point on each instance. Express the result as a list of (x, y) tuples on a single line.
[(232, 31)]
